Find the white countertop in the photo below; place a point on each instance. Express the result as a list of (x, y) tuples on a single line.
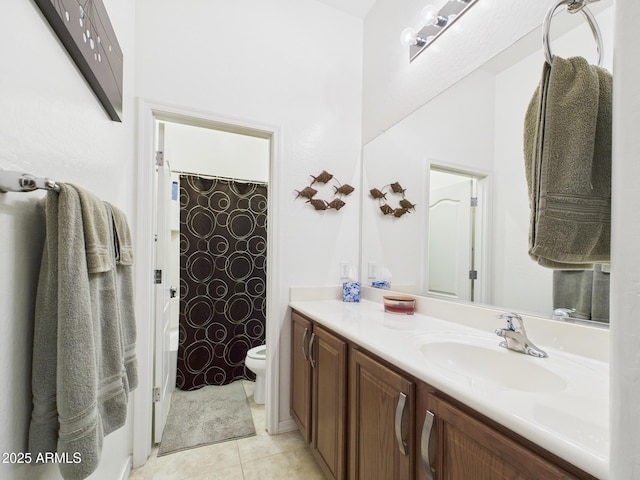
[(572, 422)]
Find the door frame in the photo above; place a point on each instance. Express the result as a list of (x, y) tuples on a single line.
[(148, 112)]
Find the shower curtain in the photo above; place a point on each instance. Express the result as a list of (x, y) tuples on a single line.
[(223, 243)]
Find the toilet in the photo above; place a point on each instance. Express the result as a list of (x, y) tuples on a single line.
[(256, 361)]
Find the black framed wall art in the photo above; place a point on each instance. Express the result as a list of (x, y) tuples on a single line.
[(85, 30)]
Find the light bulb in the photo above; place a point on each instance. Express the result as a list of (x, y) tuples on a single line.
[(408, 37), (428, 15)]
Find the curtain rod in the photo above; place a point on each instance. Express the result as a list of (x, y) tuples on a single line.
[(219, 177)]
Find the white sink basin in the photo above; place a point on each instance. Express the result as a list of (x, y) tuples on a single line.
[(480, 361)]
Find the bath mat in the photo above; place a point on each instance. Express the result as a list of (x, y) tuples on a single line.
[(212, 414)]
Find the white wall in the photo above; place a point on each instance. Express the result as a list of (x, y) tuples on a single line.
[(294, 64), (213, 152), (52, 125)]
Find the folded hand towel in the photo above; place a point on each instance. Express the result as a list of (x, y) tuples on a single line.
[(124, 244), (124, 279), (567, 149), (97, 228)]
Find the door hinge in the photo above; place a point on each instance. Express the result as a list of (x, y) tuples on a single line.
[(159, 158), (474, 201), (473, 274), (157, 277), (155, 394)]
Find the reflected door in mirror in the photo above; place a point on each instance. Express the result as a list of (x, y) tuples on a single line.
[(451, 263)]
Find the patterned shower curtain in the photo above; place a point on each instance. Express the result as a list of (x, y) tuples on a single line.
[(223, 246)]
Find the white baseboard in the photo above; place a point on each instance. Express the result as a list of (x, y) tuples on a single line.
[(126, 469), (287, 425)]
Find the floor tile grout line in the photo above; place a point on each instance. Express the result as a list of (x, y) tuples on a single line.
[(257, 417)]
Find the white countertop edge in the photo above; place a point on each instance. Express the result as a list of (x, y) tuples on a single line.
[(595, 463)]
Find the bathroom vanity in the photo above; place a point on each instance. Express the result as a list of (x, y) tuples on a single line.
[(380, 396)]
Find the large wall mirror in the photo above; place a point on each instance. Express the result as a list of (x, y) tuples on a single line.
[(458, 161)]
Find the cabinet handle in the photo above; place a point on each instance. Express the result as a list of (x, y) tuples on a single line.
[(425, 441), (313, 362), (304, 343), (400, 408)]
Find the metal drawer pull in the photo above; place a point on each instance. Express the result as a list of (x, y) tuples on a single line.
[(402, 402), (313, 362), (427, 430), (304, 343)]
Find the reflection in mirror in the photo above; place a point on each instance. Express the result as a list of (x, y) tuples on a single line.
[(476, 128), (452, 245)]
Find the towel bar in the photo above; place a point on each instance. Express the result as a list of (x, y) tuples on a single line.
[(24, 182), (573, 6)]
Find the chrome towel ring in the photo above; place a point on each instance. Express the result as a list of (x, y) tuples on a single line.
[(573, 6)]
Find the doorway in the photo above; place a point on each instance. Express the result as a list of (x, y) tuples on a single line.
[(150, 115), (454, 234)]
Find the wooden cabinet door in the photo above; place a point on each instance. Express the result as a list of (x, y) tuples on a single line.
[(328, 356), (301, 374), (382, 445), (467, 448)]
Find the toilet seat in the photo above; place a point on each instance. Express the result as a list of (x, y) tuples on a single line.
[(259, 352)]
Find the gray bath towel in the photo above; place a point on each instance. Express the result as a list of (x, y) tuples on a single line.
[(78, 362), (124, 278), (65, 418), (585, 291), (97, 230), (567, 150), (105, 305)]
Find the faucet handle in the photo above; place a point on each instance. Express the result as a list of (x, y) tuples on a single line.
[(514, 322)]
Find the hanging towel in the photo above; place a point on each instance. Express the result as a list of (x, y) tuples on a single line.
[(64, 378), (585, 291), (124, 278), (567, 151), (97, 232), (105, 304), (78, 357)]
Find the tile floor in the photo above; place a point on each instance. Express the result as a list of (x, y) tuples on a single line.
[(262, 457)]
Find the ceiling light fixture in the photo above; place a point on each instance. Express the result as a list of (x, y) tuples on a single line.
[(433, 23)]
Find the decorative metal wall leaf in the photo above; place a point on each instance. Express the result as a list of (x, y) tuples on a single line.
[(339, 191)]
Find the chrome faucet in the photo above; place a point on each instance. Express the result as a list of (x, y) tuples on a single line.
[(562, 313), (515, 336)]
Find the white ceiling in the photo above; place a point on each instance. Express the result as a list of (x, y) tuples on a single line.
[(359, 8)]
